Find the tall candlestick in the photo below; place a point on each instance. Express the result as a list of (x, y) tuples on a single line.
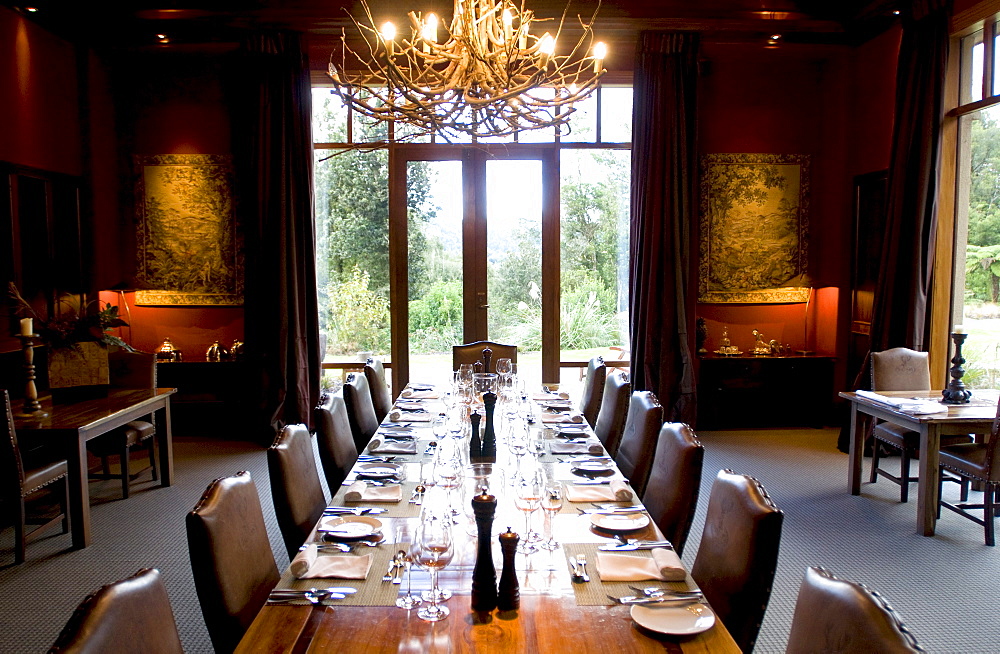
[(32, 407), (956, 392), (27, 328)]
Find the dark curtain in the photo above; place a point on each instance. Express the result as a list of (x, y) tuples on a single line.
[(282, 329), (663, 213), (901, 309)]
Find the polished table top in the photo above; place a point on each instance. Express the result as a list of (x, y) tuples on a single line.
[(94, 413), (555, 614)]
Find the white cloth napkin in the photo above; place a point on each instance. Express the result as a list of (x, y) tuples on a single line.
[(380, 446), (408, 416), (542, 397), (663, 565), (419, 395), (576, 448), (561, 417), (359, 491), (616, 491), (308, 564), (905, 404)]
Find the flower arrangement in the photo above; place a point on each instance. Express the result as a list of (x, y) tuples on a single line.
[(73, 327)]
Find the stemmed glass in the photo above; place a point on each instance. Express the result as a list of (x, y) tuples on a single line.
[(527, 498), (447, 470), (404, 535), (552, 502), (435, 549), (518, 445), (440, 428), (504, 368)]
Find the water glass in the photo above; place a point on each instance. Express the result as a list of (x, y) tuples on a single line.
[(552, 503), (436, 546)]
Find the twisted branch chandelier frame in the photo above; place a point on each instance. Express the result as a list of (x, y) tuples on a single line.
[(490, 76)]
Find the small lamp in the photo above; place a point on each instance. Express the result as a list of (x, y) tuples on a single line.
[(804, 280)]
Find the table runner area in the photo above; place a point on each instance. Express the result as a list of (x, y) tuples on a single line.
[(371, 592), (595, 592), (400, 509)]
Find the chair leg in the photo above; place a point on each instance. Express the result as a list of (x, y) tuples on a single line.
[(875, 447), (105, 466), (904, 475), (152, 455), (67, 524), (964, 485), (123, 456), (20, 525), (940, 491), (988, 510)]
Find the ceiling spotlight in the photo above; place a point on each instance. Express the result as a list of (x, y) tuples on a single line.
[(31, 10), (162, 38), (775, 37), (773, 40), (895, 12)]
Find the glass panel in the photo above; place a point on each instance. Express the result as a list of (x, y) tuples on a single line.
[(329, 117), (352, 252), (543, 135), (583, 122), (514, 259), (972, 68), (976, 298), (616, 114), (996, 70), (594, 253), (434, 209)]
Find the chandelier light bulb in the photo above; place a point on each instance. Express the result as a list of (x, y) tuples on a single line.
[(508, 24), (600, 52), (430, 31)]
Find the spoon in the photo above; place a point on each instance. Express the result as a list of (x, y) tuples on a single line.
[(420, 489), (581, 560), (400, 561)]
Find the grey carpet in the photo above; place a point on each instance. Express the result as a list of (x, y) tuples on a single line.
[(939, 585)]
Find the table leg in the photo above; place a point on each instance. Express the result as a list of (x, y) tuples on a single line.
[(79, 491), (165, 439), (927, 487), (856, 449)]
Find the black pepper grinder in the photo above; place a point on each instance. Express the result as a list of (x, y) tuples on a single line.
[(484, 575), (475, 444), (509, 594), (489, 434)]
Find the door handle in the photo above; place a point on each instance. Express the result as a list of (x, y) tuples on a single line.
[(483, 304)]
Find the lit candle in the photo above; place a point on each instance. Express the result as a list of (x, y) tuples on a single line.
[(388, 32), (508, 24), (600, 52), (546, 46), (27, 329), (429, 32), (959, 329)]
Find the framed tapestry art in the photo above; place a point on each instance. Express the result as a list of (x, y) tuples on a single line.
[(754, 228), (188, 246)]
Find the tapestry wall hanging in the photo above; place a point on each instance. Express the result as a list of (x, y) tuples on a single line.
[(189, 250), (754, 228)]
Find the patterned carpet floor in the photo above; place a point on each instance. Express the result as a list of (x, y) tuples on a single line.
[(937, 584)]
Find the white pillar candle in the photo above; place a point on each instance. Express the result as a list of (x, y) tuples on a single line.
[(959, 329), (27, 329)]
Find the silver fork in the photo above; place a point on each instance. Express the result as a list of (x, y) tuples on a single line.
[(581, 560)]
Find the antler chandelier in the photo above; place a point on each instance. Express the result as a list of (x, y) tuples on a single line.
[(488, 76)]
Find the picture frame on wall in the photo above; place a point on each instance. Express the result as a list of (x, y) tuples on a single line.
[(188, 243), (754, 224)]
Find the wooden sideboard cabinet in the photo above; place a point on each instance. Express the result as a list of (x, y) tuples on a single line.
[(211, 397), (750, 391)]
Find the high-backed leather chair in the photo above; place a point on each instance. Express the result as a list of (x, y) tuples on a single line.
[(473, 352), (131, 616), (976, 462), (20, 483), (593, 390), (902, 369), (137, 370), (360, 410), (738, 554), (381, 397), (231, 558), (642, 426), (671, 495), (614, 411), (333, 438), (295, 488), (835, 616)]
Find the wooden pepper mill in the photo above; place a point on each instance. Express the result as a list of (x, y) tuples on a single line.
[(489, 433), (475, 444), (509, 593), (484, 575)]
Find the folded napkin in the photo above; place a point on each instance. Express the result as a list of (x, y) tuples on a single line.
[(383, 446), (308, 564), (561, 417), (541, 397), (576, 448), (616, 491), (905, 404), (359, 491), (664, 565), (419, 395), (407, 416)]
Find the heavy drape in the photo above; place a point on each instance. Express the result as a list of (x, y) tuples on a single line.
[(282, 329), (901, 309), (663, 213)]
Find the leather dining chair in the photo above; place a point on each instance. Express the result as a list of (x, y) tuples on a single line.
[(381, 397), (477, 351), (231, 558), (614, 411), (975, 462), (131, 616), (336, 447), (738, 554), (135, 370), (902, 369), (836, 616), (671, 495), (295, 488), (360, 410), (593, 390), (642, 426), (21, 482)]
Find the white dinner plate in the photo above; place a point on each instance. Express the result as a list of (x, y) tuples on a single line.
[(593, 468), (620, 522), (674, 620), (350, 527), (557, 405), (378, 470)]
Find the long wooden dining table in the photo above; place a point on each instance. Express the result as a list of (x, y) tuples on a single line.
[(555, 614)]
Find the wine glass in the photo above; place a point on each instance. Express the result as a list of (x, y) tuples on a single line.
[(436, 547), (440, 427), (405, 535), (447, 471), (504, 368), (518, 444), (552, 502), (527, 499)]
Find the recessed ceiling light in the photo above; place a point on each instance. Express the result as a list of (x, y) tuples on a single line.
[(775, 37), (31, 9), (162, 38)]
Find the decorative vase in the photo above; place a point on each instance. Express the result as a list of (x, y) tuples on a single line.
[(79, 372)]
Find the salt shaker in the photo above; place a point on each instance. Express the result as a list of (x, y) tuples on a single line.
[(509, 594), (484, 575)]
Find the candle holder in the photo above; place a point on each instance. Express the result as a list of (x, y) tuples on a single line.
[(32, 407), (956, 392)]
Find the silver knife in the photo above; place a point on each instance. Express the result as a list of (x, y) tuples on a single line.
[(617, 510), (340, 590), (666, 600), (635, 546)]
